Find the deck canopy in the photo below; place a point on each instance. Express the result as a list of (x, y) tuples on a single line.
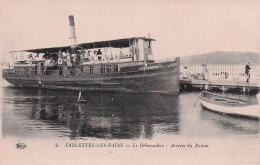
[(119, 43), (46, 50)]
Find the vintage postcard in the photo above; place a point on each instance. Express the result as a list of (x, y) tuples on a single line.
[(130, 82)]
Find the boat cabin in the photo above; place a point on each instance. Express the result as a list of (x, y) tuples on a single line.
[(103, 57)]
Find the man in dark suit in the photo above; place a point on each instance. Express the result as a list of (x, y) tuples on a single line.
[(99, 52), (248, 71)]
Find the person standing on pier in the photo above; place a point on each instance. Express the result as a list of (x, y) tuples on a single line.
[(248, 67), (185, 74), (205, 71)]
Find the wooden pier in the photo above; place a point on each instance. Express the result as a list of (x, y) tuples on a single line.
[(220, 85), (220, 77)]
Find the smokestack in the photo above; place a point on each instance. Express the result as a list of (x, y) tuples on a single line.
[(72, 33)]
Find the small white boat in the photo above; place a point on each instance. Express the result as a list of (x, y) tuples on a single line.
[(226, 105)]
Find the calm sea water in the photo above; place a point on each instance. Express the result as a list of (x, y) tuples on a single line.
[(42, 113)]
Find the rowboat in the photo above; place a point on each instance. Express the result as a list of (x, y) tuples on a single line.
[(230, 106)]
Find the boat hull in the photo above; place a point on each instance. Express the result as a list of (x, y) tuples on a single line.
[(246, 110), (161, 81)]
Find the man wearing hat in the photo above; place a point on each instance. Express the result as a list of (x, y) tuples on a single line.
[(185, 73), (205, 71), (99, 52), (247, 72)]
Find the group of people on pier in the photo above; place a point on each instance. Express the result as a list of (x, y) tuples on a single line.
[(204, 74)]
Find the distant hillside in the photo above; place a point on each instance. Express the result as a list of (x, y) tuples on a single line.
[(220, 57)]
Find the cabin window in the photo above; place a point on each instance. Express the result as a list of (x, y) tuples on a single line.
[(115, 68), (103, 69), (23, 71), (18, 71), (108, 68), (88, 69), (91, 70), (35, 70)]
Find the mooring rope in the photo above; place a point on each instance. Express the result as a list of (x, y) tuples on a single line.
[(161, 66), (196, 101)]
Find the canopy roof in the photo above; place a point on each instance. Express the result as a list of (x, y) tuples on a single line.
[(119, 43)]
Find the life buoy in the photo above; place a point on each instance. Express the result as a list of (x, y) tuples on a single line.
[(93, 58), (116, 57), (60, 61), (107, 58), (99, 58)]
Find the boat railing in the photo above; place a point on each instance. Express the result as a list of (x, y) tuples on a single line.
[(79, 71), (8, 71), (56, 72), (72, 72)]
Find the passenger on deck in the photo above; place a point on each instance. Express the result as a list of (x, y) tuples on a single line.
[(81, 57), (69, 64), (78, 71), (95, 52), (60, 63), (86, 56), (47, 62), (121, 54), (52, 60), (64, 58), (99, 52), (30, 58), (66, 71), (74, 59), (205, 71)]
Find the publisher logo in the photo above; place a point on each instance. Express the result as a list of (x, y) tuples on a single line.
[(21, 146)]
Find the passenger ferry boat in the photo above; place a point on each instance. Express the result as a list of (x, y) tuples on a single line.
[(114, 65)]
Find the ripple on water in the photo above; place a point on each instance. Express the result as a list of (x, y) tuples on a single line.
[(56, 113)]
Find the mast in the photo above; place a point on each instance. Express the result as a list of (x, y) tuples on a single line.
[(73, 43)]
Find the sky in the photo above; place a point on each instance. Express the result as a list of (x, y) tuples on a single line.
[(180, 27)]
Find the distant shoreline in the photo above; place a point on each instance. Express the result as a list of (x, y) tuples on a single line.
[(221, 57)]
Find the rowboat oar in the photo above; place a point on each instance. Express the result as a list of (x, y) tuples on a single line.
[(196, 101)]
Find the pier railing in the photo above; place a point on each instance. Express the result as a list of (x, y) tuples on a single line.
[(230, 72)]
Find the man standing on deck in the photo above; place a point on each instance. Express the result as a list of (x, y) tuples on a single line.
[(69, 64), (248, 71), (99, 52), (66, 71), (60, 61), (74, 59)]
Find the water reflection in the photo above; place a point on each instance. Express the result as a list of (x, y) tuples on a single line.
[(56, 113), (240, 125), (105, 115)]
